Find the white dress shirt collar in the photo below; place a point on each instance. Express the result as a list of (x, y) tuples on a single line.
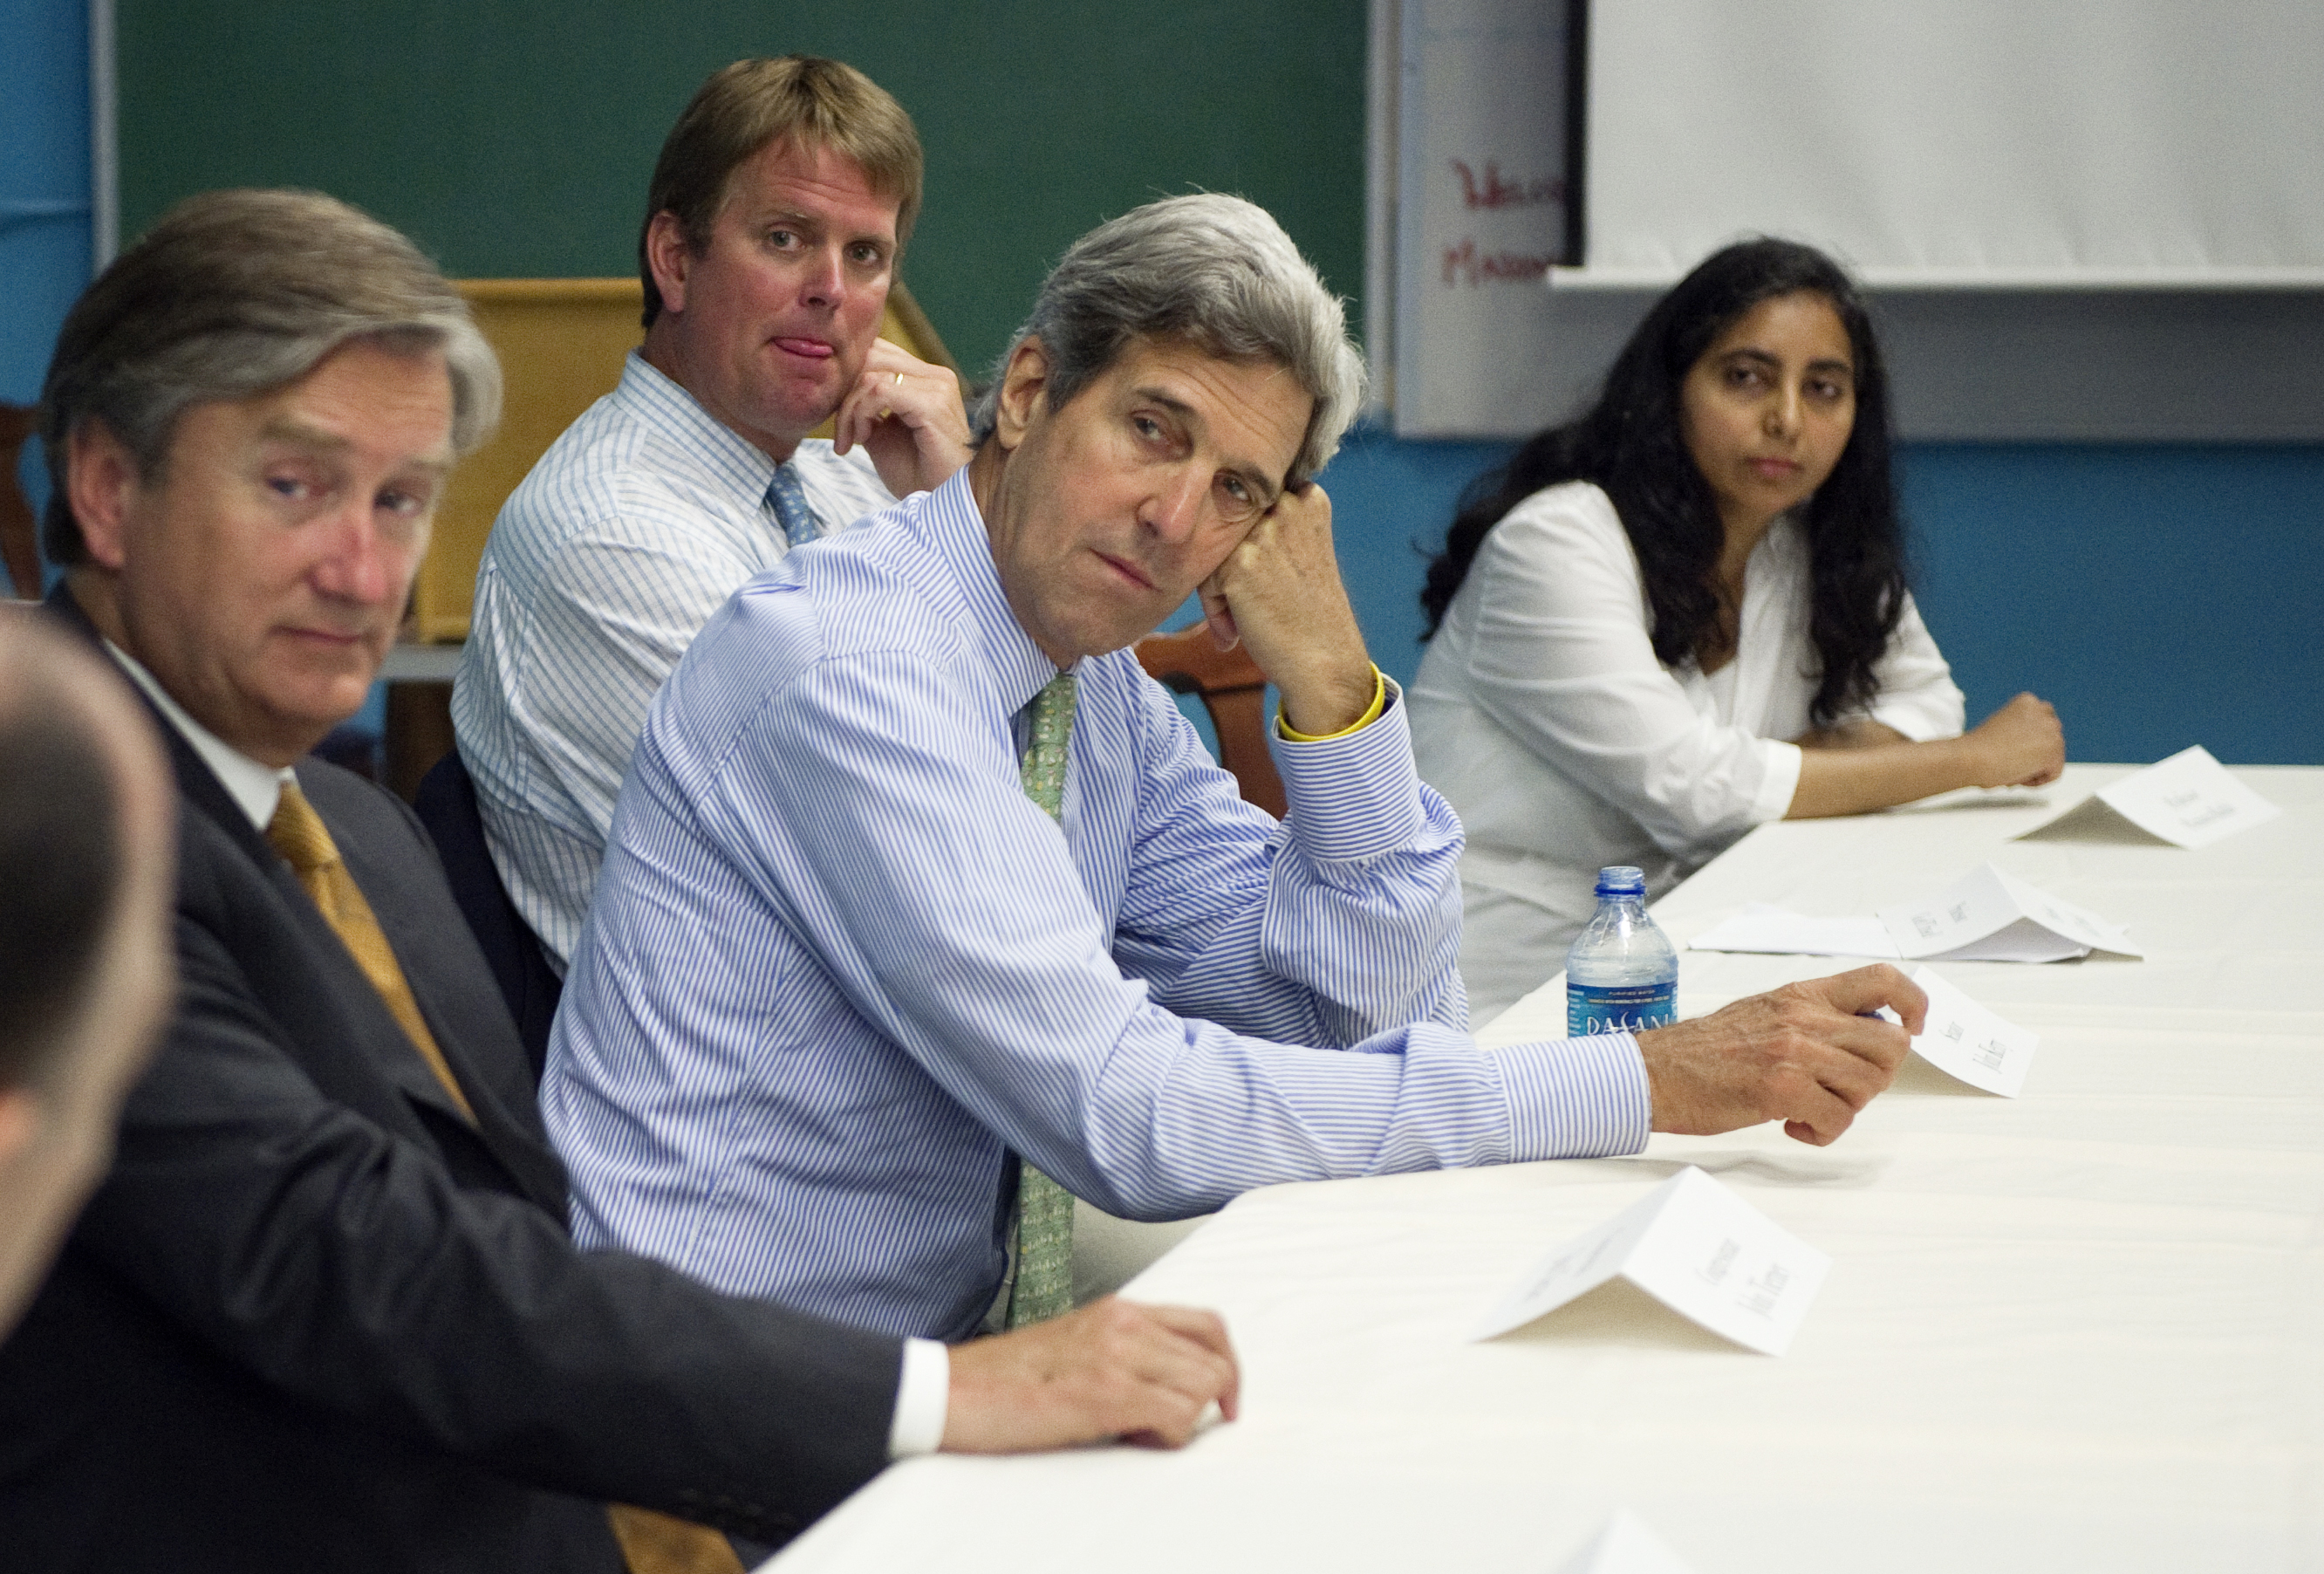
[(957, 536), (665, 404), (256, 789)]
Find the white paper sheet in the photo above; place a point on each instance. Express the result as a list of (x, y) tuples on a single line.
[(1696, 1247), (2188, 798), (1626, 1546), (1990, 915), (1762, 928), (1970, 1043)]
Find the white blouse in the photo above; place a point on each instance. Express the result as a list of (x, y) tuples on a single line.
[(1542, 715)]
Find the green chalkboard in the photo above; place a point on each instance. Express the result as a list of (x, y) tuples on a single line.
[(514, 139)]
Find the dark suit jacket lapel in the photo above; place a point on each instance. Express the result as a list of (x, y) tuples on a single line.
[(515, 1140), (399, 1061), (455, 989)]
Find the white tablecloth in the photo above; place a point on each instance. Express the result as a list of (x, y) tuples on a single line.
[(2079, 1329)]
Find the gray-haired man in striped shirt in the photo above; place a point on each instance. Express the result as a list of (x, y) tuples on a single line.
[(917, 875)]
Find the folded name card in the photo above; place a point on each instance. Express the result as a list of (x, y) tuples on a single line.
[(1626, 1546), (1990, 915), (1965, 1042), (1696, 1247), (2189, 800)]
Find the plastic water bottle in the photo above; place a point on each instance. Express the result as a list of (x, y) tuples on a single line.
[(1621, 975)]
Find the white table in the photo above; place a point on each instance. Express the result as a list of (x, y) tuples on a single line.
[(2079, 1329)]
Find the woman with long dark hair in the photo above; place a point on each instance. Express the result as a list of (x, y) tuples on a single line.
[(1686, 613)]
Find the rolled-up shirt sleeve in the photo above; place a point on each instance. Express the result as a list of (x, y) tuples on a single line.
[(1341, 923)]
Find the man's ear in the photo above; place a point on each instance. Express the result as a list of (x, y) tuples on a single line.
[(20, 1123), (100, 482), (1024, 389), (670, 256)]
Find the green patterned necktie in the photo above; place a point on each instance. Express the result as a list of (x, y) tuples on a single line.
[(1044, 1285)]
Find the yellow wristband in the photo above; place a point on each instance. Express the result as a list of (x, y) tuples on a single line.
[(1378, 704)]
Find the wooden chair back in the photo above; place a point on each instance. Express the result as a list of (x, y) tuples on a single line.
[(20, 536), (1233, 690)]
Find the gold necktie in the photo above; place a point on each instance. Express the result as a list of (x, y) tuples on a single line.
[(299, 834), (656, 1543)]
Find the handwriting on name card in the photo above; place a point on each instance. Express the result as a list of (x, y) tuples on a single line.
[(2192, 811), (2188, 798), (1762, 1294), (1694, 1246), (1721, 1260), (1970, 1043), (1930, 925), (1989, 915)]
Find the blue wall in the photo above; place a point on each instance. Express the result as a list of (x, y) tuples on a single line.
[(2158, 595), (44, 218), (44, 181)]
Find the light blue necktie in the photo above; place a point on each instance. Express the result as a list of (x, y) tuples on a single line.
[(792, 510)]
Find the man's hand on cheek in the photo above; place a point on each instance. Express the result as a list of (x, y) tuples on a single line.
[(1279, 592)]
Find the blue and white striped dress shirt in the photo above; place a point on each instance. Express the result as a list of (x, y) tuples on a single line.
[(634, 528), (839, 963)]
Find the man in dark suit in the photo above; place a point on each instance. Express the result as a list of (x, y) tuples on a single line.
[(324, 1312)]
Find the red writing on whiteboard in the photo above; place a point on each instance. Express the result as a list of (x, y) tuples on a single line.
[(1493, 191), (1465, 264)]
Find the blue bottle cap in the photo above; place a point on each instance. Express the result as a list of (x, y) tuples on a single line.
[(1621, 880)]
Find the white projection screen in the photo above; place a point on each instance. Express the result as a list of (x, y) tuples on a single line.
[(2026, 143), (2049, 199)]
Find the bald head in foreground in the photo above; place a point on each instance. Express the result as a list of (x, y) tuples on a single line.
[(323, 1312), (86, 961)]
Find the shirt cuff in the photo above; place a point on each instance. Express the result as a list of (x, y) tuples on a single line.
[(1778, 782), (923, 1395), (1371, 714), (1576, 1098), (1356, 795)]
